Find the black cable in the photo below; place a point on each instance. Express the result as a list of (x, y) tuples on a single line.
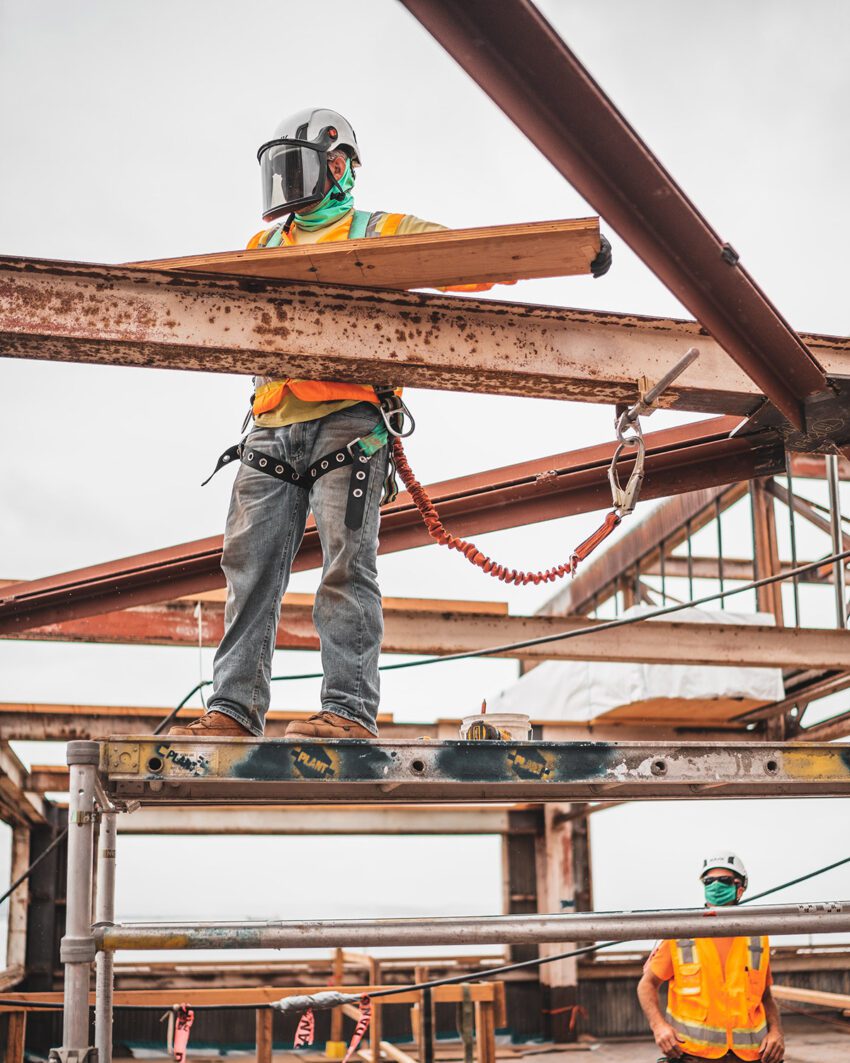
[(542, 640), (59, 838), (793, 882)]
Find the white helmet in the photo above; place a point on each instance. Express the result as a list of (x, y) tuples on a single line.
[(294, 164), (728, 861)]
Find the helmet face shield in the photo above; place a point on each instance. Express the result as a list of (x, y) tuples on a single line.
[(293, 176)]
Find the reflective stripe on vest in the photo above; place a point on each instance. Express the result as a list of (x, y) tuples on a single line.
[(268, 391)]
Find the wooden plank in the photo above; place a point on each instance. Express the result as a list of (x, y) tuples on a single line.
[(395, 1053), (448, 994), (337, 978), (811, 996), (15, 1037), (265, 1018), (426, 260), (485, 1032)]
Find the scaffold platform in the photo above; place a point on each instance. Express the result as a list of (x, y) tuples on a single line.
[(163, 770)]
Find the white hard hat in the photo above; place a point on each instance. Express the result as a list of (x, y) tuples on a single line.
[(729, 861), (294, 163)]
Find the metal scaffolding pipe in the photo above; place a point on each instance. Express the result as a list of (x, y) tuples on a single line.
[(105, 913), (823, 917)]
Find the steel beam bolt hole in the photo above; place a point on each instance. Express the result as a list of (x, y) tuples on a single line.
[(771, 767), (155, 764), (659, 767), (418, 766)]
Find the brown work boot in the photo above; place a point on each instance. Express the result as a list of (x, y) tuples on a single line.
[(326, 725), (213, 725)]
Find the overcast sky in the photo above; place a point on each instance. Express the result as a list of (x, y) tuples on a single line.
[(129, 131)]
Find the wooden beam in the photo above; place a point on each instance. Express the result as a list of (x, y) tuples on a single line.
[(766, 550), (818, 997), (18, 805), (16, 940), (424, 260), (263, 994), (118, 316)]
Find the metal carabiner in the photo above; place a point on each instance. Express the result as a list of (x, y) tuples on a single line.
[(625, 498), (399, 410)]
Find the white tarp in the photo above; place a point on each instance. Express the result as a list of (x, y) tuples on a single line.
[(582, 691)]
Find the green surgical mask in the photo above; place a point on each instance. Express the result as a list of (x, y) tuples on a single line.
[(718, 894), (333, 206)]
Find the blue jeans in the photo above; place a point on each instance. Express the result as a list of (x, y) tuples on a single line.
[(265, 525)]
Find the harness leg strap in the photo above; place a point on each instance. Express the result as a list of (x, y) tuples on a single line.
[(358, 487)]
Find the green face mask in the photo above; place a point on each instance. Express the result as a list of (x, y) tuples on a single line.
[(718, 894), (333, 206)]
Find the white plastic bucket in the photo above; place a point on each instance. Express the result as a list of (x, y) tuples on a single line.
[(512, 726)]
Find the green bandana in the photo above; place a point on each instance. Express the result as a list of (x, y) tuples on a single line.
[(718, 894), (333, 206)]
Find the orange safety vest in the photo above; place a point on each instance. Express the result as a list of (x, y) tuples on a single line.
[(712, 1013), (268, 391)]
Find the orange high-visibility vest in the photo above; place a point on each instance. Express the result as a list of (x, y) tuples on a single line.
[(712, 1013), (269, 391)]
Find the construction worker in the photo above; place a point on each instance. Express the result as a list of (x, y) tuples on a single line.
[(719, 1004), (302, 429)]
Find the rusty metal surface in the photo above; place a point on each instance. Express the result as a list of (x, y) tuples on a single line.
[(167, 770), (112, 315), (678, 459), (524, 66), (408, 631)]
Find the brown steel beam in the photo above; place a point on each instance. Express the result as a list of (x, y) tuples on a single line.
[(408, 631), (111, 315), (523, 65), (678, 459)]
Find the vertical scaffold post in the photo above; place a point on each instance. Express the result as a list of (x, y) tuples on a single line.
[(105, 913), (77, 952)]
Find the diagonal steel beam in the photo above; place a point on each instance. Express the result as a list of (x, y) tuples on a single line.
[(523, 65), (576, 482)]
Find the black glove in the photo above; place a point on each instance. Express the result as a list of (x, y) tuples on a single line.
[(602, 263)]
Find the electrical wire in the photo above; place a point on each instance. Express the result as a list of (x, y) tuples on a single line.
[(542, 640)]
